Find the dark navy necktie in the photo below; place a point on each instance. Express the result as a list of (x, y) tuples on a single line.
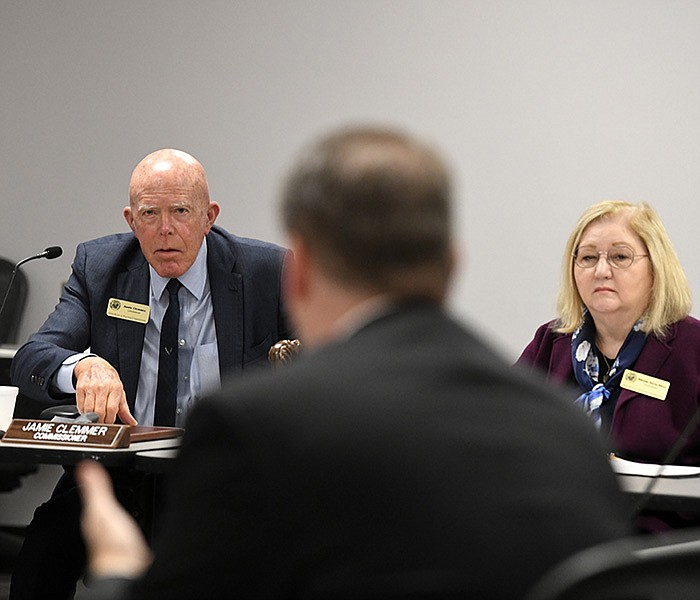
[(166, 392)]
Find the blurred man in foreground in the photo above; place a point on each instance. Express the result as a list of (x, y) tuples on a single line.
[(398, 456)]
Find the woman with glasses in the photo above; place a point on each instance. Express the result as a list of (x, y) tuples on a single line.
[(624, 338)]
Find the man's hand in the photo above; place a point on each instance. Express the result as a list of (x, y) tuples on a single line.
[(99, 389), (114, 543)]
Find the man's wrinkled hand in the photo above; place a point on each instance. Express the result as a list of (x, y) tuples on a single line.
[(99, 389)]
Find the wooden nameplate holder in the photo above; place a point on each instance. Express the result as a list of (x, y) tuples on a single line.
[(94, 435)]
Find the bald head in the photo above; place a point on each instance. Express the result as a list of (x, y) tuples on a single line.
[(169, 209), (168, 167)]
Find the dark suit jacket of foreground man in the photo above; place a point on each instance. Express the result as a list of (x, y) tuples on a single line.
[(244, 277), (407, 461)]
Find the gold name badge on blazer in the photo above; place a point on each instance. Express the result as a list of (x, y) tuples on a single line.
[(645, 384), (130, 311)]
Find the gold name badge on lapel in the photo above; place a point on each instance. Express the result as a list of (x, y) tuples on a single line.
[(129, 311), (645, 384)]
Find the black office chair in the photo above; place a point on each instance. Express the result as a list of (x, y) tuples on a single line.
[(654, 567), (15, 303)]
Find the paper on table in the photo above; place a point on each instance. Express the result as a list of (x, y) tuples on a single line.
[(628, 467)]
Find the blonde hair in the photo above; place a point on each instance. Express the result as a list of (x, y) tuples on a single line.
[(670, 299)]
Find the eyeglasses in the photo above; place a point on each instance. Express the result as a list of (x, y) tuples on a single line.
[(619, 257)]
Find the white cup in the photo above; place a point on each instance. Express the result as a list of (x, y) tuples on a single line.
[(8, 395)]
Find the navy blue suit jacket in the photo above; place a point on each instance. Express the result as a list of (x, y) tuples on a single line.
[(245, 280)]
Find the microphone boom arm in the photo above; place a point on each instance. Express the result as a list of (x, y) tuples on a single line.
[(49, 253)]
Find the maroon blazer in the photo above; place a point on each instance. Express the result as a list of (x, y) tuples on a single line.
[(643, 428)]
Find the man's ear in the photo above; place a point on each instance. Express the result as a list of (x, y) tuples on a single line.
[(129, 217), (212, 213)]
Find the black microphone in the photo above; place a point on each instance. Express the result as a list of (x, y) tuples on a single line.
[(50, 252)]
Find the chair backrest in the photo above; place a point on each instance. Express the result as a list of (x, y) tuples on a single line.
[(654, 567), (14, 306)]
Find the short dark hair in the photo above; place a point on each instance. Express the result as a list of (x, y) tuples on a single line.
[(374, 205)]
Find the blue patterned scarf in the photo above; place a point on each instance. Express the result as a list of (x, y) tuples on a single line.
[(587, 370)]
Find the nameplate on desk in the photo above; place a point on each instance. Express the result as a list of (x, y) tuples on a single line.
[(24, 431)]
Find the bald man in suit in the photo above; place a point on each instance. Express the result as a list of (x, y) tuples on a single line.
[(109, 362)]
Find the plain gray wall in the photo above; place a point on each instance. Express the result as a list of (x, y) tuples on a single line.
[(541, 107)]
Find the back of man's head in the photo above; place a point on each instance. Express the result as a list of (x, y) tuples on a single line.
[(373, 205)]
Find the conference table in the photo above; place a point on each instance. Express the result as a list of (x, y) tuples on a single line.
[(659, 487), (148, 456), (674, 488), (151, 458)]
